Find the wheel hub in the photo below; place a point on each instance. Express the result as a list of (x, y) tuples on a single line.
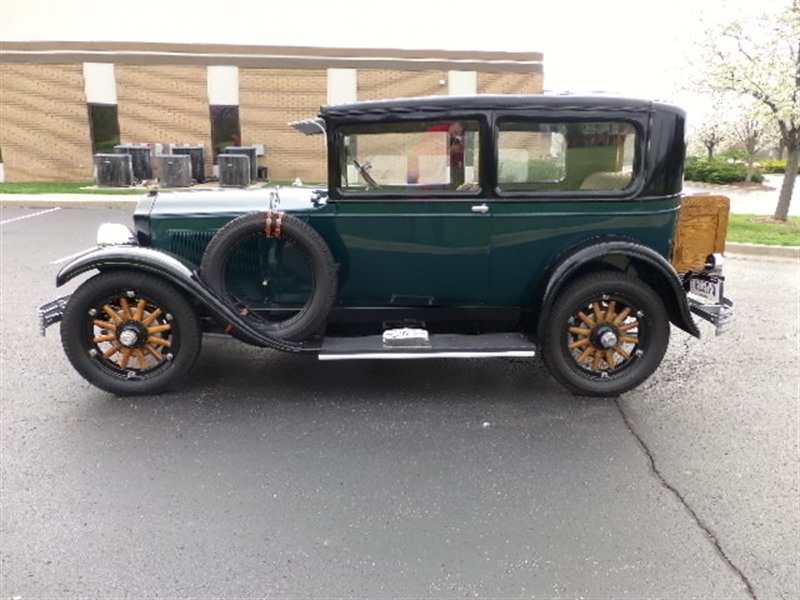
[(131, 334), (605, 336)]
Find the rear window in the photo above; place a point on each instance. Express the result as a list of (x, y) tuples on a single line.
[(568, 156)]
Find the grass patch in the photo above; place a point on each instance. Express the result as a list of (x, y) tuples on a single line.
[(63, 187), (756, 229)]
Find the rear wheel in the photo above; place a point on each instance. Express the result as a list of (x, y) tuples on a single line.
[(130, 333), (606, 335)]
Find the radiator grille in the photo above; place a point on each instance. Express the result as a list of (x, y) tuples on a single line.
[(189, 244)]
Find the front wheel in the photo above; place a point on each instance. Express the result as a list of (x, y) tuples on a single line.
[(606, 335), (130, 333)]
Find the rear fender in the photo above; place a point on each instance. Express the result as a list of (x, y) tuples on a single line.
[(627, 256), (180, 274)]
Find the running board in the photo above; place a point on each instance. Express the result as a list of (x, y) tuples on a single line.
[(443, 345)]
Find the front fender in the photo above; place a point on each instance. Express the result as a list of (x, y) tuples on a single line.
[(622, 254), (134, 257), (180, 274)]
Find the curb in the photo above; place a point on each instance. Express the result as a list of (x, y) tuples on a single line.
[(69, 200), (74, 204), (742, 249)]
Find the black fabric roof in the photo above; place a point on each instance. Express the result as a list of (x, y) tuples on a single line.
[(434, 104)]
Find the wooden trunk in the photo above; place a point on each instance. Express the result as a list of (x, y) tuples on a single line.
[(702, 227)]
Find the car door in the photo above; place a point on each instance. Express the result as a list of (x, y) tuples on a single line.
[(413, 226)]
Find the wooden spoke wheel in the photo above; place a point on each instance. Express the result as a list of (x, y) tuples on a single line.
[(130, 333), (133, 334), (607, 334), (604, 336)]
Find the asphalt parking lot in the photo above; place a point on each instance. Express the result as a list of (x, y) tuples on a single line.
[(269, 475)]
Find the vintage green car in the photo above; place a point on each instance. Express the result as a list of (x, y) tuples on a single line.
[(484, 226)]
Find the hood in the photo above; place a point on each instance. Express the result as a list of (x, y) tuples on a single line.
[(233, 201)]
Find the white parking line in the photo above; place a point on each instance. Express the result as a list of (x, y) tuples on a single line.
[(41, 212), (71, 256)]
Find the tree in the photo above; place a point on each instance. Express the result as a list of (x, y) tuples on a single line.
[(750, 134), (753, 131), (760, 58), (711, 136)]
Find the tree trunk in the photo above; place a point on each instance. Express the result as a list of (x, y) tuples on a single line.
[(785, 199), (750, 168)]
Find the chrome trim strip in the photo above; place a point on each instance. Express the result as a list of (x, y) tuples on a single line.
[(412, 355)]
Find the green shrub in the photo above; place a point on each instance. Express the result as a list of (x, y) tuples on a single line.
[(773, 165), (732, 153), (717, 171)]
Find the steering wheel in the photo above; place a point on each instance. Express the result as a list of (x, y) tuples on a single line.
[(364, 170)]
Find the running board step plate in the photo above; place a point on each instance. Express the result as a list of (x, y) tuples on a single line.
[(444, 345)]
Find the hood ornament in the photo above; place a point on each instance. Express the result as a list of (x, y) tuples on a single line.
[(274, 198)]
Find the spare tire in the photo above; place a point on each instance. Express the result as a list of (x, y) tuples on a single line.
[(275, 270)]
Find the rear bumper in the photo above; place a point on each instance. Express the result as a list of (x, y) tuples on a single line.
[(720, 315)]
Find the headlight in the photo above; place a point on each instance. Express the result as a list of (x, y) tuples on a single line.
[(114, 234)]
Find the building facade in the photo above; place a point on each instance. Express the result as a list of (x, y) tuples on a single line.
[(63, 102)]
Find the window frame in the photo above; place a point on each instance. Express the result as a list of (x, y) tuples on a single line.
[(337, 158)]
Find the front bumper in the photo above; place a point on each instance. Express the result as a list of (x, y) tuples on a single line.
[(51, 312), (108, 235)]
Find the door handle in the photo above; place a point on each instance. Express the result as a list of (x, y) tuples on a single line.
[(480, 208)]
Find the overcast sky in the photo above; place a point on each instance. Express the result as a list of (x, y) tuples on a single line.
[(631, 47)]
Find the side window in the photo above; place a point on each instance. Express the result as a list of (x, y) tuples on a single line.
[(411, 157), (566, 156)]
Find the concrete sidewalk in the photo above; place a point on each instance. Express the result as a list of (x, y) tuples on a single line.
[(750, 199), (69, 200)]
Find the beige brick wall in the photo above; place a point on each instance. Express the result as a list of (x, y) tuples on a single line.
[(271, 98), (375, 84), (510, 83), (164, 104), (44, 123)]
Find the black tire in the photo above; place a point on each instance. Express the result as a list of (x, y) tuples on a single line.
[(130, 333), (229, 247), (591, 347)]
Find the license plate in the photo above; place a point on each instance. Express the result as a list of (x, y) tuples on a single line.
[(710, 289)]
